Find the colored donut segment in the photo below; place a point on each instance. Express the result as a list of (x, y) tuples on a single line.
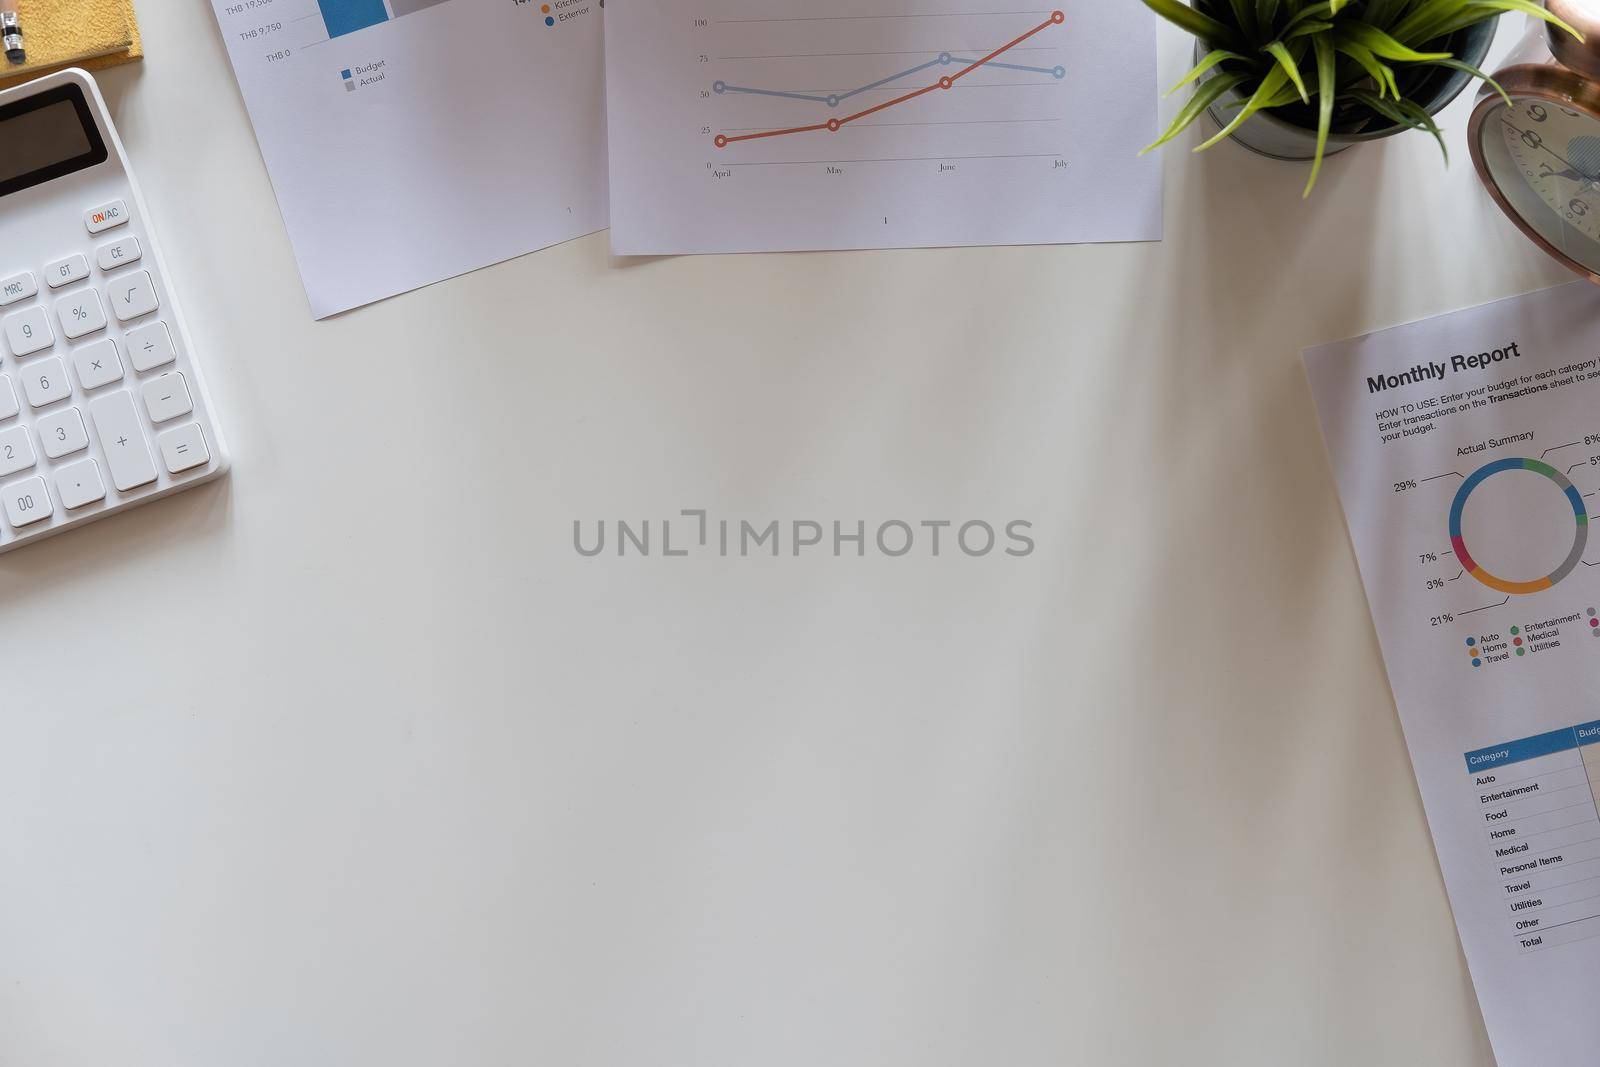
[(1579, 512)]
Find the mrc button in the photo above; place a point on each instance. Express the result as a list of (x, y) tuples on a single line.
[(17, 287), (106, 216)]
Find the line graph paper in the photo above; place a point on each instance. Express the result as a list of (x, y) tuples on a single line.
[(780, 124)]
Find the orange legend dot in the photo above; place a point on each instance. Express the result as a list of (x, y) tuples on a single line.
[(545, 10)]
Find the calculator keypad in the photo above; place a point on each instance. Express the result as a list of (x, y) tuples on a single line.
[(78, 484), (27, 502), (28, 331), (122, 435), (133, 295), (105, 217), (16, 450), (184, 448), (167, 398), (66, 271), (119, 253), (81, 314), (92, 359), (17, 287), (149, 347), (97, 364), (62, 433), (45, 382)]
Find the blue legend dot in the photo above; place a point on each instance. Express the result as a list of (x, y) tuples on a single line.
[(1471, 641), (1477, 663), (549, 20), (344, 74)]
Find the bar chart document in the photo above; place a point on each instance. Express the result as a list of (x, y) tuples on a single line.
[(1467, 454), (409, 141), (775, 125)]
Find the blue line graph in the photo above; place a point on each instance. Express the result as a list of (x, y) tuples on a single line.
[(945, 59)]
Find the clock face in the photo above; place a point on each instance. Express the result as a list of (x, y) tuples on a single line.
[(1545, 158)]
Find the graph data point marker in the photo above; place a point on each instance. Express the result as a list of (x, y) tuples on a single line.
[(945, 83), (1059, 72), (833, 125), (833, 101), (720, 141), (1058, 17), (719, 87), (946, 58)]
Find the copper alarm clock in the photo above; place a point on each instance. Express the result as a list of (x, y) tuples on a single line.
[(1539, 155)]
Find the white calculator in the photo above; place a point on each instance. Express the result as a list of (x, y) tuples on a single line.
[(102, 405)]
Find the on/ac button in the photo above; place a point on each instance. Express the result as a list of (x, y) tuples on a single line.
[(106, 216)]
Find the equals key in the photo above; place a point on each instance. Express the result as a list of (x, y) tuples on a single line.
[(184, 448)]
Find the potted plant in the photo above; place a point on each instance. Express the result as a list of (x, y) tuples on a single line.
[(1299, 80)]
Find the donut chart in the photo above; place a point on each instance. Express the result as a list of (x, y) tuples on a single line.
[(1580, 516)]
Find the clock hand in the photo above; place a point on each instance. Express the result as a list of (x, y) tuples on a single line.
[(1569, 174)]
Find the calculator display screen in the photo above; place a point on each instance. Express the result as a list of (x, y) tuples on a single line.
[(47, 136)]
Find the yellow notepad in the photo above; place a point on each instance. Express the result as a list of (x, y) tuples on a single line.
[(73, 33)]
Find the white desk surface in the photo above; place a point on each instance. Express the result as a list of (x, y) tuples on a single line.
[(352, 759)]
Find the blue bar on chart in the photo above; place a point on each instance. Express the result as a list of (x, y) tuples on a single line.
[(348, 16)]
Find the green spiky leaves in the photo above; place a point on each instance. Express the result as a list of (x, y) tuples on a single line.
[(1332, 66)]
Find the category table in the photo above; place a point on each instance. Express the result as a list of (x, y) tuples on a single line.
[(1541, 824)]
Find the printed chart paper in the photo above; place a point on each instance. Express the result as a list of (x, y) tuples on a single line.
[(775, 125), (1467, 452), (410, 141)]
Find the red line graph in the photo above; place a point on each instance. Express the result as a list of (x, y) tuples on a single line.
[(948, 82)]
